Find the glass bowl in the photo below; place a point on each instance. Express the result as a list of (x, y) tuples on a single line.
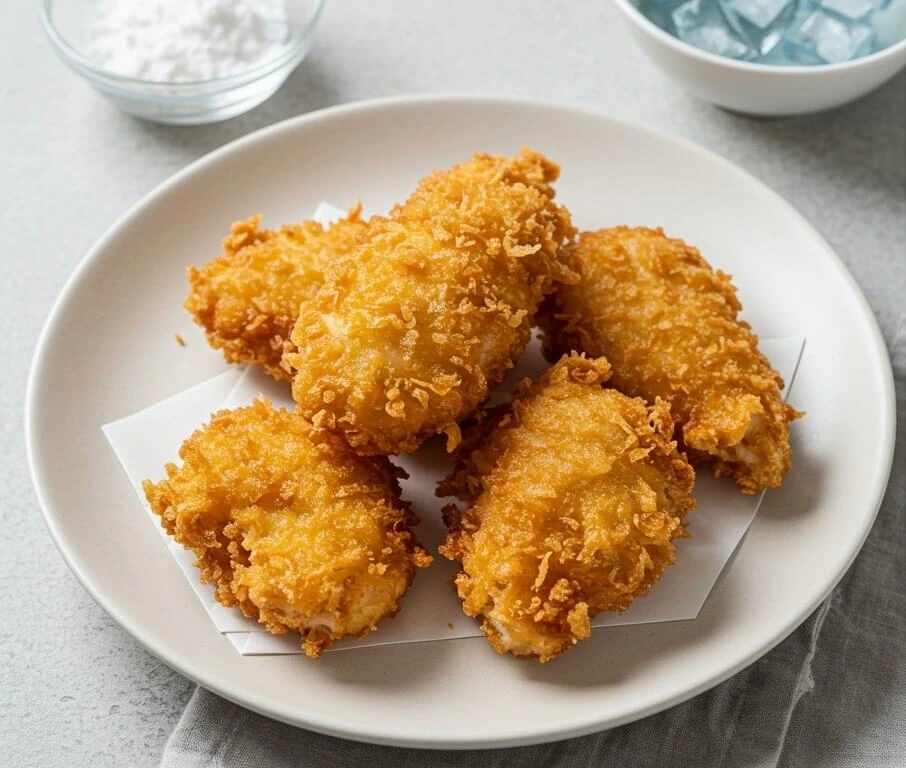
[(181, 103)]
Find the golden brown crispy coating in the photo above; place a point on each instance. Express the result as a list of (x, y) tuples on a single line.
[(576, 494), (432, 309), (301, 535), (248, 298), (668, 325)]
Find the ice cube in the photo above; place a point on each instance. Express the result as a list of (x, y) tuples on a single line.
[(816, 37), (660, 12), (780, 58), (704, 25), (853, 10), (761, 13), (761, 22), (889, 24)]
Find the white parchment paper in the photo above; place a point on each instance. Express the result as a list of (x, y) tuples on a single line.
[(145, 441)]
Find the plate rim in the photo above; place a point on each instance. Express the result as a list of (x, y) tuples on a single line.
[(380, 735)]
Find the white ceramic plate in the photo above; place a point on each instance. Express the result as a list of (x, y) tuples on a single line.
[(108, 350)]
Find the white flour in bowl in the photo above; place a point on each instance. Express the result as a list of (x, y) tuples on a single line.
[(173, 41)]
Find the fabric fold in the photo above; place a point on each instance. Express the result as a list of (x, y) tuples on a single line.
[(784, 711)]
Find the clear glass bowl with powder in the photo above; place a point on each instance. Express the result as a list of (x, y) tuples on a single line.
[(217, 62)]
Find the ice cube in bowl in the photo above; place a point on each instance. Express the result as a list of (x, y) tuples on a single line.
[(816, 37), (764, 89), (853, 10), (703, 24), (761, 22)]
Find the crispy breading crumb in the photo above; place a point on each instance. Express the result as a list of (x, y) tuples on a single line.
[(290, 527), (576, 494), (248, 298), (668, 323), (179, 339), (433, 307)]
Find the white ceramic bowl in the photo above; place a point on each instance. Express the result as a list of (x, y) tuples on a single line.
[(760, 89)]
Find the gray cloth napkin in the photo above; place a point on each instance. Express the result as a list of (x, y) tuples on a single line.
[(832, 694)]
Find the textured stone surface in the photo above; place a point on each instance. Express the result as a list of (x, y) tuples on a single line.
[(76, 690)]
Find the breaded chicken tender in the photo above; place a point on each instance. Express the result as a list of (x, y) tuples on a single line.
[(302, 535), (668, 325), (576, 494), (433, 307), (248, 298)]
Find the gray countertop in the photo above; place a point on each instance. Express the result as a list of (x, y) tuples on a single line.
[(76, 689)]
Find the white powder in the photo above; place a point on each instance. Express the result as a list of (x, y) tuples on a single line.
[(184, 40)]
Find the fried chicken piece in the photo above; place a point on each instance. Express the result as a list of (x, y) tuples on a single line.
[(668, 325), (248, 299), (301, 535), (432, 309), (576, 493)]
